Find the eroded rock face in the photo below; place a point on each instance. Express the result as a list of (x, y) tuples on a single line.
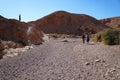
[(68, 23), (13, 30), (15, 35), (35, 36)]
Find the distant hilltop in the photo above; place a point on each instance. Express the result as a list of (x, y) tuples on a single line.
[(68, 23), (112, 22)]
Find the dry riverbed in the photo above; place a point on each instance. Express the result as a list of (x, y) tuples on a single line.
[(64, 59)]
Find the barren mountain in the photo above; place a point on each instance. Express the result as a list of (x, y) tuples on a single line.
[(68, 23), (112, 22)]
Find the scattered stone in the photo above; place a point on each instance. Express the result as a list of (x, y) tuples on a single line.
[(11, 52), (103, 61), (6, 46), (45, 37), (1, 47), (110, 71), (97, 60), (65, 41), (10, 48), (118, 67), (113, 69), (87, 63), (1, 54)]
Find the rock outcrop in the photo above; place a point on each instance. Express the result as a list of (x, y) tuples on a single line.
[(13, 30), (68, 23), (16, 35)]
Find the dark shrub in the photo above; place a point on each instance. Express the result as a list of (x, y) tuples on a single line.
[(110, 36)]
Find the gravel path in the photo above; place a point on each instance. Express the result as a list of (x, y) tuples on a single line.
[(64, 59)]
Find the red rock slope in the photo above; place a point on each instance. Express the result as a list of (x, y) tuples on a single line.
[(68, 23), (112, 22), (11, 29)]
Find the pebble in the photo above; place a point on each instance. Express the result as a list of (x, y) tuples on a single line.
[(97, 60), (66, 63), (113, 69), (87, 63)]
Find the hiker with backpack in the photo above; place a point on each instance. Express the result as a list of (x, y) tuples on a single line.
[(87, 37), (83, 38)]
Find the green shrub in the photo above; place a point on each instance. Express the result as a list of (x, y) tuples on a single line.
[(110, 36)]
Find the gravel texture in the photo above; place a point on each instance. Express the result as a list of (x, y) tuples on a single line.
[(64, 59)]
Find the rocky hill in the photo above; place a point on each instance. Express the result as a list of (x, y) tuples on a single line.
[(112, 22), (16, 34), (68, 23), (13, 30)]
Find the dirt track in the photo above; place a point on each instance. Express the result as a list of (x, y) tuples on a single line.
[(64, 59)]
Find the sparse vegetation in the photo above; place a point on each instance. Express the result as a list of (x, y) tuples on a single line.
[(108, 37)]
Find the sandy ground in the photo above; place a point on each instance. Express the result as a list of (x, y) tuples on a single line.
[(64, 59)]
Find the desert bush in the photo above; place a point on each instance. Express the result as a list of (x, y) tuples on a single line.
[(107, 36), (110, 36), (97, 37)]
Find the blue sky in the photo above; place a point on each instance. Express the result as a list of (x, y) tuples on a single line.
[(34, 9)]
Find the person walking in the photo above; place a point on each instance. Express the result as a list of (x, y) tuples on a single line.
[(83, 38), (87, 38)]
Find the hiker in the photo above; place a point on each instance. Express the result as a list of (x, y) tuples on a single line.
[(87, 38), (83, 38)]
